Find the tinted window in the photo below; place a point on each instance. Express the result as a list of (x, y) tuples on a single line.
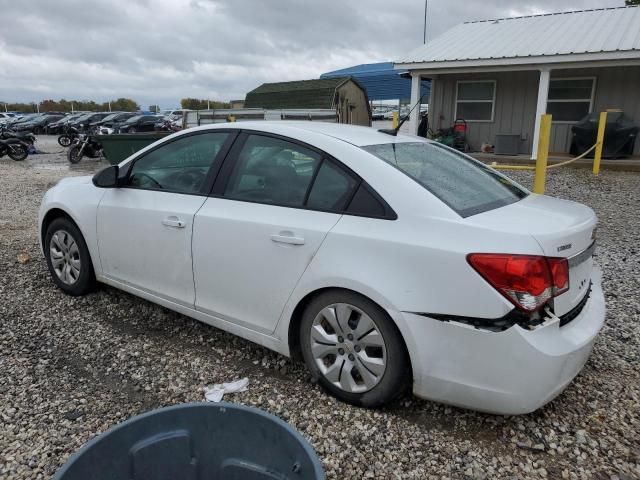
[(465, 185), (366, 204), (270, 170), (332, 188), (178, 166)]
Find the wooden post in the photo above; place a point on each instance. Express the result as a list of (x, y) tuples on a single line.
[(543, 154), (602, 124), (395, 120)]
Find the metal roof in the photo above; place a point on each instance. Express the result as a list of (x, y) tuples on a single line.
[(597, 31), (380, 80)]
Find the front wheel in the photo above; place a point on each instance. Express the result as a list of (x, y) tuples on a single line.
[(68, 257), (18, 152), (354, 349), (74, 155), (132, 130), (64, 140)]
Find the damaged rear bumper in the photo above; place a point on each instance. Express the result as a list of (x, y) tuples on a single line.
[(513, 371)]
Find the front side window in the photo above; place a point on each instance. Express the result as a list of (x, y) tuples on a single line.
[(271, 170), (179, 166), (475, 100), (570, 99), (465, 185)]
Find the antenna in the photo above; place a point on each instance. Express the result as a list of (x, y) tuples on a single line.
[(394, 131)]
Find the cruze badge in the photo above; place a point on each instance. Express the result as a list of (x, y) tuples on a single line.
[(564, 247)]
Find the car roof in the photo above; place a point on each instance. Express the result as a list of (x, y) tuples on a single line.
[(353, 134)]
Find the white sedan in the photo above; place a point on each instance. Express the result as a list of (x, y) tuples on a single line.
[(383, 261)]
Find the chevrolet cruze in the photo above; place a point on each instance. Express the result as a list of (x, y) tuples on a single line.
[(383, 261)]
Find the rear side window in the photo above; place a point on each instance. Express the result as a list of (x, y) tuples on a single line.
[(465, 185)]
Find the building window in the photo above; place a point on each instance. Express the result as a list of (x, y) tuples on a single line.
[(570, 99), (475, 100)]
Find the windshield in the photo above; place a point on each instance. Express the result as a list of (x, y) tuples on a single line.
[(464, 184), (134, 119)]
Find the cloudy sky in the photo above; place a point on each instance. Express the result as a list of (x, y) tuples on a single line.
[(158, 51)]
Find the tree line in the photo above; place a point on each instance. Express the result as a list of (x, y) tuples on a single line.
[(63, 105), (199, 104)]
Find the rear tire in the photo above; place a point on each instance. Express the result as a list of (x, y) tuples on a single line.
[(354, 349), (73, 154), (18, 152), (64, 140), (68, 257)]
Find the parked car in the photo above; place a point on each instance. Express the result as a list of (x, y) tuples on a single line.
[(383, 261), (108, 124), (57, 127), (140, 123), (83, 123), (38, 125)]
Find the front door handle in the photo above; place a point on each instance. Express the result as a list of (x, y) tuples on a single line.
[(173, 222), (287, 237)]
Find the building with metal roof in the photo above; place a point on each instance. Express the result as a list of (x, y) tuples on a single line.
[(342, 94), (501, 75), (380, 80)]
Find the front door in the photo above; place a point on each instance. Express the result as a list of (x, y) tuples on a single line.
[(145, 228)]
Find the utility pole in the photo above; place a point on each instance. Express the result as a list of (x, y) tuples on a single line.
[(424, 30), (208, 106)]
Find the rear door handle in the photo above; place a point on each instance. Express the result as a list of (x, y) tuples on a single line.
[(287, 237), (173, 222)]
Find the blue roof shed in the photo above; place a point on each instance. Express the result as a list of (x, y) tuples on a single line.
[(380, 80)]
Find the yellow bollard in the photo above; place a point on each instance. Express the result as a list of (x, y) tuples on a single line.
[(395, 120), (543, 154), (602, 124)]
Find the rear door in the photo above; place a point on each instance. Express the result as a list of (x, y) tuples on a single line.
[(255, 236)]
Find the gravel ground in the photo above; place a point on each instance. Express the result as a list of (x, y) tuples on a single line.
[(72, 367)]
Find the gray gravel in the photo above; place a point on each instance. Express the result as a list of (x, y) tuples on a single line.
[(72, 367)]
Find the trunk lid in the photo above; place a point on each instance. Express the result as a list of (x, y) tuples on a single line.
[(562, 229)]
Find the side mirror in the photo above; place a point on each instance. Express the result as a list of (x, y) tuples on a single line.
[(107, 177)]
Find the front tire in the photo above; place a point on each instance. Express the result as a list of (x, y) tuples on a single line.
[(354, 349), (74, 155), (68, 257), (64, 140)]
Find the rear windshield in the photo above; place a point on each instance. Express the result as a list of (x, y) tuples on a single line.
[(465, 185)]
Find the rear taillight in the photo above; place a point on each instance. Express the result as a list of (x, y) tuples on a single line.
[(528, 281)]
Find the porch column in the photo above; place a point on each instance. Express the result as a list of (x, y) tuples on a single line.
[(541, 108), (414, 119)]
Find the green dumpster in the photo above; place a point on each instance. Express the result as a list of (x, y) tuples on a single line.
[(119, 146)]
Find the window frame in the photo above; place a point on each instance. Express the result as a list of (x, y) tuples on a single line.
[(232, 159), (572, 100), (493, 100), (212, 174)]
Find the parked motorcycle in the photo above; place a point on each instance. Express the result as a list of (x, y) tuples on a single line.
[(68, 136), (15, 148), (84, 145), (6, 134)]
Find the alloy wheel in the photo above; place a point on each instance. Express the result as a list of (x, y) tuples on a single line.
[(348, 348), (65, 257)]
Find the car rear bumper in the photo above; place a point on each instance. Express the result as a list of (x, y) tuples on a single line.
[(511, 372)]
